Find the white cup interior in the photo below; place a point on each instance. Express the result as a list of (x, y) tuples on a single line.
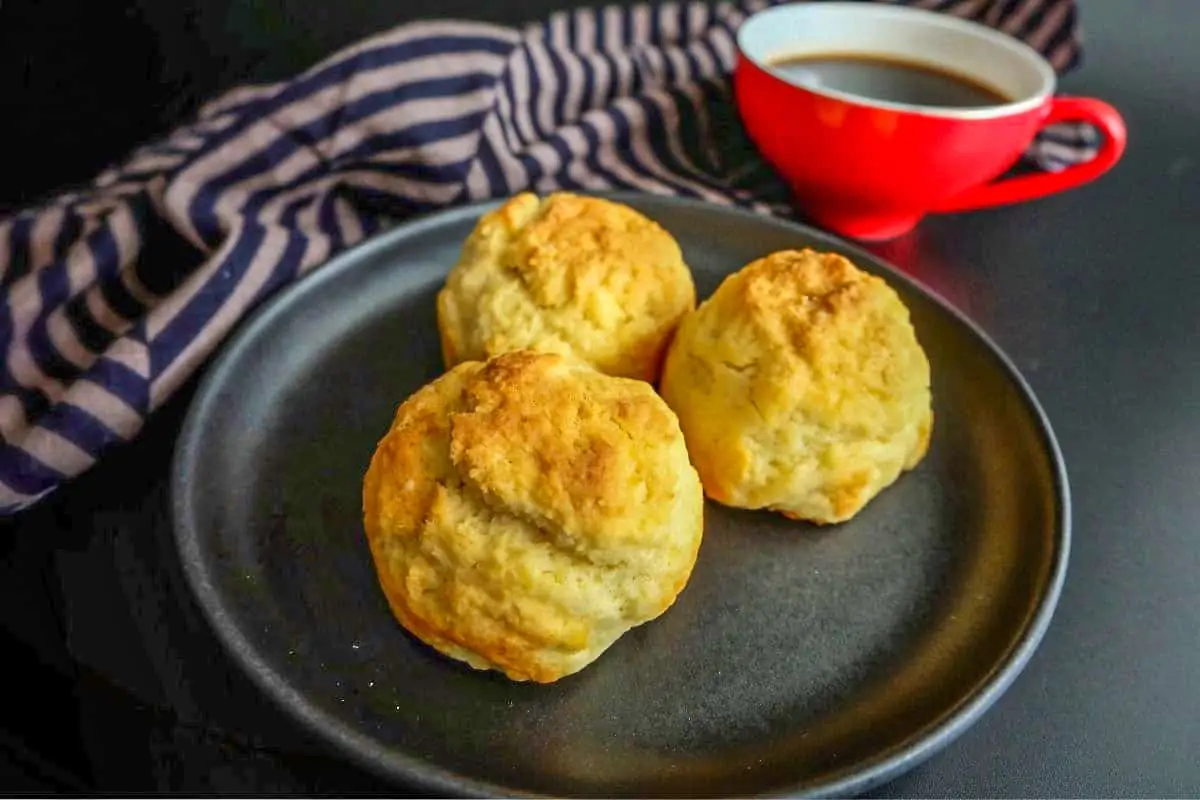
[(899, 33)]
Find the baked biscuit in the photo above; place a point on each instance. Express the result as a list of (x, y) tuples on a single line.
[(574, 275), (800, 387), (525, 512)]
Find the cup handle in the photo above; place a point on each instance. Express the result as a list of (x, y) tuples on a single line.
[(1028, 187)]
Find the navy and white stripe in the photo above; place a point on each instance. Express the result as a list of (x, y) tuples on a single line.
[(113, 295)]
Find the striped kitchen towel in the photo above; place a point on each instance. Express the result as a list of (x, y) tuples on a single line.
[(114, 294)]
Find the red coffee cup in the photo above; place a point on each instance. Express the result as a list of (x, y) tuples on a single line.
[(871, 168)]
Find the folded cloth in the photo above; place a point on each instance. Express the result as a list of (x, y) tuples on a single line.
[(105, 313)]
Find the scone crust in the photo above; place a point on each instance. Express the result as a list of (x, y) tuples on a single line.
[(570, 274), (800, 387), (524, 513)]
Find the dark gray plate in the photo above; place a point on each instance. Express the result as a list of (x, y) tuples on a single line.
[(798, 659)]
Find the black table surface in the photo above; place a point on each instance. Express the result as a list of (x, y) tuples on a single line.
[(1094, 293)]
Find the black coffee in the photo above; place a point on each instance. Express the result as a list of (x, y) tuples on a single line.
[(877, 78)]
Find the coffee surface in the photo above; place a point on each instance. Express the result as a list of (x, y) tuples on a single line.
[(877, 78)]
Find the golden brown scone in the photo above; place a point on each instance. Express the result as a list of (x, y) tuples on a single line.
[(801, 387), (524, 513), (575, 275)]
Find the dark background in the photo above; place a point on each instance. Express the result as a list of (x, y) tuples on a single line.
[(113, 682)]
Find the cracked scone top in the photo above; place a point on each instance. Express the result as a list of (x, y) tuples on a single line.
[(525, 512), (568, 274), (801, 387)]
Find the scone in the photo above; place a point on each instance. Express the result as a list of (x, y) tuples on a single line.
[(525, 512), (575, 275), (800, 387)]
